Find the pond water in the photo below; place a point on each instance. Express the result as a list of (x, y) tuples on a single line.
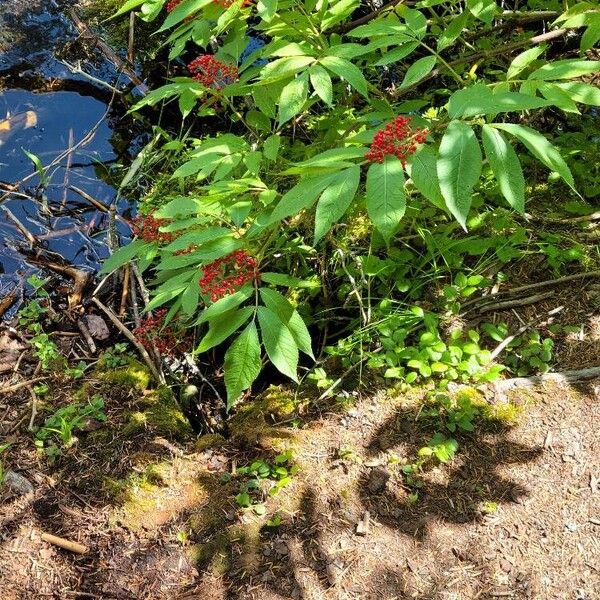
[(47, 123)]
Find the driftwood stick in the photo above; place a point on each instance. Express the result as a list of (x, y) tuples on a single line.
[(17, 386), (503, 305), (125, 293), (7, 302), (121, 64), (65, 544), (87, 336), (119, 325), (569, 377), (532, 286)]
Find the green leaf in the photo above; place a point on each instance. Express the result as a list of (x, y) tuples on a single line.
[(386, 201), (558, 97), (348, 71), (506, 167), (271, 147), (191, 296), (288, 281), (321, 82), (181, 11), (266, 9), (592, 34), (282, 68), (479, 100), (566, 69), (279, 342), (292, 99), (282, 307), (459, 168), (242, 363), (584, 93), (225, 304), (485, 10), (226, 324), (124, 255), (423, 172), (451, 33), (335, 200), (523, 60), (541, 148), (301, 196), (418, 70), (277, 303), (127, 7)]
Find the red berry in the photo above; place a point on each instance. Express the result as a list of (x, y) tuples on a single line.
[(396, 139)]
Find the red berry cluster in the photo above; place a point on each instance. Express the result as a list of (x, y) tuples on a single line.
[(147, 228), (210, 72), (172, 5), (398, 139), (168, 340), (226, 275)]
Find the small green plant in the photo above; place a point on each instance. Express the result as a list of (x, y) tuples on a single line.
[(61, 425), (114, 357), (262, 479), (462, 287), (46, 351), (527, 353)]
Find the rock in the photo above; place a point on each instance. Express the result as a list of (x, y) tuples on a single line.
[(505, 566), (364, 525), (378, 479), (97, 326), (334, 570), (17, 483)]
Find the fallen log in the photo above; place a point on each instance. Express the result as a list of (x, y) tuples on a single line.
[(568, 377)]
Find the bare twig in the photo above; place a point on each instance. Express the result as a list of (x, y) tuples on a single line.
[(123, 65), (86, 335), (503, 305), (33, 408), (17, 386), (125, 293), (65, 544), (131, 44), (532, 286), (121, 327)]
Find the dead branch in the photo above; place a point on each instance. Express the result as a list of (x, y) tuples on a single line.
[(127, 333), (532, 286), (65, 544), (503, 305), (568, 377), (122, 65), (7, 302), (17, 386)]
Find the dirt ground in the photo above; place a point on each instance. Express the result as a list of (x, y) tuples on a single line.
[(515, 515)]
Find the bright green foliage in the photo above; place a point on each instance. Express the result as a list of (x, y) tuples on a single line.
[(294, 170)]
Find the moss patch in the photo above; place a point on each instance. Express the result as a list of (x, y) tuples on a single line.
[(256, 422), (134, 375)]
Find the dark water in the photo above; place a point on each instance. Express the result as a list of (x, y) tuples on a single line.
[(35, 39)]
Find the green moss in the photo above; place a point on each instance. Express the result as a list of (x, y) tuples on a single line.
[(256, 421), (506, 413), (135, 375), (210, 440), (135, 423)]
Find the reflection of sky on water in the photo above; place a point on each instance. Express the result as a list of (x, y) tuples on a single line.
[(63, 119)]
